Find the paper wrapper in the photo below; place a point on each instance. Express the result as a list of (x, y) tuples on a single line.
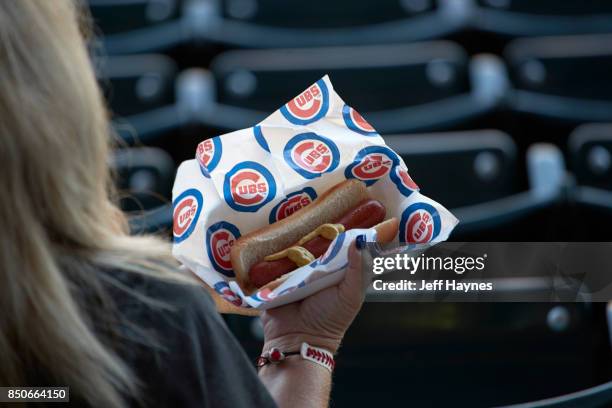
[(250, 178)]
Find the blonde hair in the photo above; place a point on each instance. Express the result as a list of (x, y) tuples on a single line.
[(59, 225)]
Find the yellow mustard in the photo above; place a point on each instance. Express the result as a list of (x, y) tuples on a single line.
[(297, 254), (300, 255), (327, 231)]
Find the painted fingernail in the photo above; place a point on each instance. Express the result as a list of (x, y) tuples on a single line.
[(360, 241)]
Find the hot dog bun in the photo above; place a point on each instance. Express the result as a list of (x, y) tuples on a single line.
[(254, 246), (386, 231)]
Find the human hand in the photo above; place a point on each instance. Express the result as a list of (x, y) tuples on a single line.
[(320, 319)]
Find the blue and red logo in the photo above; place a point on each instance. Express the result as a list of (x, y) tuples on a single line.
[(371, 164), (248, 187), (403, 181), (264, 295), (292, 203), (220, 238), (259, 138), (309, 106), (223, 289), (311, 155), (187, 209), (208, 155), (291, 289), (356, 122), (420, 224)]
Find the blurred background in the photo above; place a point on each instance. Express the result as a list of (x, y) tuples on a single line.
[(502, 110)]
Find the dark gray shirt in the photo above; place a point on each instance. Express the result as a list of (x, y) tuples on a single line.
[(197, 361)]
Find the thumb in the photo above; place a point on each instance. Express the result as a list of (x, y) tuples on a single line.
[(352, 286)]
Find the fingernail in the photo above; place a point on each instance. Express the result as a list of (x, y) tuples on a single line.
[(360, 241)]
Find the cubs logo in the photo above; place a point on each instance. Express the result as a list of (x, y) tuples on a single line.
[(371, 164), (291, 289), (356, 122), (420, 224), (223, 289), (311, 155), (263, 295), (288, 290), (292, 203), (309, 106), (403, 181), (208, 155), (248, 187), (220, 238), (187, 208), (259, 138)]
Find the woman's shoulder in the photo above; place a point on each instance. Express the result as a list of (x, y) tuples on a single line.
[(142, 293), (186, 355)]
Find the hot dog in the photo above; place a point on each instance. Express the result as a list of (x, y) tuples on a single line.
[(266, 257), (366, 214)]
